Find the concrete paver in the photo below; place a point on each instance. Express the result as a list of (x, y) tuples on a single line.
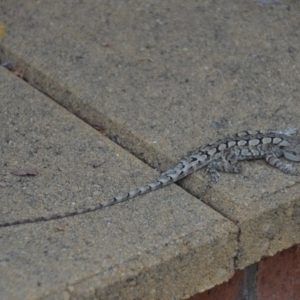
[(164, 245), (166, 78)]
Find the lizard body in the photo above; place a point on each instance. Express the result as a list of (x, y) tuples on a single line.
[(223, 155)]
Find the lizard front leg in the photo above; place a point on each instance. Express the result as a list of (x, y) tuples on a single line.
[(271, 158)]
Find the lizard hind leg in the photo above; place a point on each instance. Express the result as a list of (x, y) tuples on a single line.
[(228, 165)]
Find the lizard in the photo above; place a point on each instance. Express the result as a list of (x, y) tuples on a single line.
[(221, 156)]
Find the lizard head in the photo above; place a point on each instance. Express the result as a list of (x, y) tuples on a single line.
[(292, 152)]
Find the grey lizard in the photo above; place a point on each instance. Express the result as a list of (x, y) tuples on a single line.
[(221, 156)]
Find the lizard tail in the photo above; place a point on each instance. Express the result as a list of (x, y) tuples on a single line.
[(160, 182), (52, 217), (166, 178)]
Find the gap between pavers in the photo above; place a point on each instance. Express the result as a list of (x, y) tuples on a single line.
[(169, 84), (164, 245), (263, 202)]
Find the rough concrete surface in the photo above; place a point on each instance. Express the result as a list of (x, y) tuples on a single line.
[(165, 77), (164, 245)]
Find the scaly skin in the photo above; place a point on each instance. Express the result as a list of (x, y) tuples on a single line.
[(223, 155)]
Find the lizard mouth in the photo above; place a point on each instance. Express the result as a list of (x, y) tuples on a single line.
[(293, 156)]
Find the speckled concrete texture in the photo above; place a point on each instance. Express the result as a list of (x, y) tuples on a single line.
[(163, 78), (167, 244)]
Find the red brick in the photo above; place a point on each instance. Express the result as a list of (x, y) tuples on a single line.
[(278, 277)]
